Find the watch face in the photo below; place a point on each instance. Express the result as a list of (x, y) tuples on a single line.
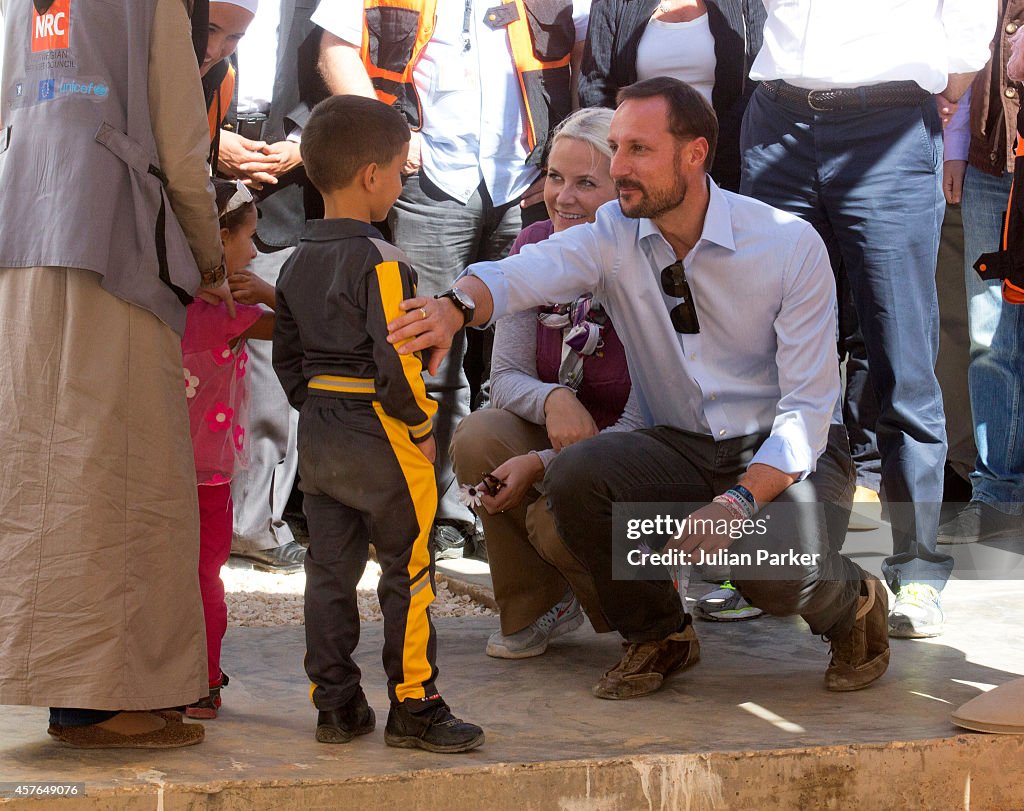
[(464, 299)]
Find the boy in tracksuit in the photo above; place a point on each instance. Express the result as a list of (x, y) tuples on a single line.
[(366, 447)]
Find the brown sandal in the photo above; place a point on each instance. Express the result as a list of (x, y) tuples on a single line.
[(173, 735)]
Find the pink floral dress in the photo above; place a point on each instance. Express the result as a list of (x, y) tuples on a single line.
[(216, 388)]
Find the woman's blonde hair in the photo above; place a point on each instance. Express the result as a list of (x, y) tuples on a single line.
[(590, 125)]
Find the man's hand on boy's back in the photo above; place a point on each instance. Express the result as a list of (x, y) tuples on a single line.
[(428, 448)]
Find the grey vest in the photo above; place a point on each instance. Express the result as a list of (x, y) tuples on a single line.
[(80, 184)]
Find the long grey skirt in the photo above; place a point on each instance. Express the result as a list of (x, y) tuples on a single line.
[(99, 537)]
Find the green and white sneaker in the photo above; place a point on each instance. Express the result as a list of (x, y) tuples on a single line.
[(917, 612), (725, 605)]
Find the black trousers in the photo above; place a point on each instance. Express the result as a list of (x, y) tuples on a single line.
[(665, 464), (363, 479)]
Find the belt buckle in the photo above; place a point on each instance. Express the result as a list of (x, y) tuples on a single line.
[(812, 94)]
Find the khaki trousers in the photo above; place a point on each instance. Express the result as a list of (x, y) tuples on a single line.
[(531, 568)]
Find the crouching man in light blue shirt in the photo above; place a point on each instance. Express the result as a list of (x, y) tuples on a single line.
[(726, 308)]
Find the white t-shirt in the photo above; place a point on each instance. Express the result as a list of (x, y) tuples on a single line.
[(473, 114), (684, 51), (257, 59)]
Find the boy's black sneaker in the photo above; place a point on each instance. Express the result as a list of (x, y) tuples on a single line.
[(343, 724), (433, 728)]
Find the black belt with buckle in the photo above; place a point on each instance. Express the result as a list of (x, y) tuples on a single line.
[(886, 94)]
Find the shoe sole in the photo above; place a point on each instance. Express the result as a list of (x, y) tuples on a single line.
[(266, 567), (732, 615), (127, 742), (412, 742), (501, 652), (1002, 535), (329, 734), (902, 631), (200, 714)]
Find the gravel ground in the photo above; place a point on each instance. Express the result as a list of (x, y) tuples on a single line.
[(262, 599)]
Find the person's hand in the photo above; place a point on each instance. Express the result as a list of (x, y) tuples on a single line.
[(236, 150), (276, 160), (248, 288), (428, 323), (414, 161), (566, 419), (534, 194), (519, 473), (428, 448), (215, 295), (946, 108), (708, 542), (953, 180)]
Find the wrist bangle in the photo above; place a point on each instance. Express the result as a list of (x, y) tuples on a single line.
[(214, 277)]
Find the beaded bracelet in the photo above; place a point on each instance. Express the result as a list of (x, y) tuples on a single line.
[(737, 507)]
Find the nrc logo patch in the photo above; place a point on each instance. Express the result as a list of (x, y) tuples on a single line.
[(51, 29)]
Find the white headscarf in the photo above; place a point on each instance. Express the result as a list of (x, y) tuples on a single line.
[(248, 5)]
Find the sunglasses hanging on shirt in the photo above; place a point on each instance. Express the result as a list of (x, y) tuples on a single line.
[(684, 314)]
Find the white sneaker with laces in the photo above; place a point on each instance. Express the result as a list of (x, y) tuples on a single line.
[(917, 612), (565, 616)]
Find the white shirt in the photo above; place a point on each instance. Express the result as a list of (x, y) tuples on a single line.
[(820, 44), (257, 59), (473, 113), (684, 51), (764, 360)]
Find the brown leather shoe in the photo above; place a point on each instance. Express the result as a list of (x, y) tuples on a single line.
[(862, 656), (645, 665), (173, 735)]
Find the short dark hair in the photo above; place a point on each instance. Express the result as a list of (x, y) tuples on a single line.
[(689, 113), (345, 134)]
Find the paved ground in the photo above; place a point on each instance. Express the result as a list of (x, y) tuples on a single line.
[(758, 687)]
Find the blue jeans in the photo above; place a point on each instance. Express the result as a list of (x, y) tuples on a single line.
[(870, 183), (441, 236), (996, 373), (74, 717)]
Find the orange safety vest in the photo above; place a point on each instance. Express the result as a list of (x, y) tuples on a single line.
[(221, 102), (541, 35), (1007, 264)]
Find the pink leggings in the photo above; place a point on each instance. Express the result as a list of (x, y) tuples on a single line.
[(215, 520)]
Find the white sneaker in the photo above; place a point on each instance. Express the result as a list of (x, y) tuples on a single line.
[(917, 612), (566, 616)]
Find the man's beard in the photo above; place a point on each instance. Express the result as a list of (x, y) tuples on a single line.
[(654, 205)]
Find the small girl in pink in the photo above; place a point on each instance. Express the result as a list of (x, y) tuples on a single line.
[(214, 357)]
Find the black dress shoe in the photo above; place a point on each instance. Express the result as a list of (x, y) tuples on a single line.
[(979, 521), (432, 727), (283, 559), (343, 724)]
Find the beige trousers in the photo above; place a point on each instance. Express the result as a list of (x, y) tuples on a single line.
[(531, 568)]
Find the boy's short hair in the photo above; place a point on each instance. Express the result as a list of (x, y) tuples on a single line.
[(690, 115), (345, 134)]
